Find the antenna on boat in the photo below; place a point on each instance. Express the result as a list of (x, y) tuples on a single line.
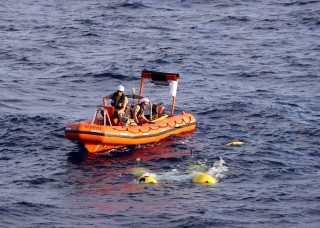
[(133, 93)]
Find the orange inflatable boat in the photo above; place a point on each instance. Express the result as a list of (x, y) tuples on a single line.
[(102, 133)]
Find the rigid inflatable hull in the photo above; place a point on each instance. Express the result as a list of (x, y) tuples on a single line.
[(97, 138)]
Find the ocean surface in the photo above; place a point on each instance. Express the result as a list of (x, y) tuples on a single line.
[(249, 72)]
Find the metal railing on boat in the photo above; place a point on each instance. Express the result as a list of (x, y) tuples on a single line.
[(105, 113)]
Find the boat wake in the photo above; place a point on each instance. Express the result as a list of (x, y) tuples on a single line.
[(218, 171)]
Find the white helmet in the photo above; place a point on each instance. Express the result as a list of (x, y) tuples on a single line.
[(145, 100), (120, 88)]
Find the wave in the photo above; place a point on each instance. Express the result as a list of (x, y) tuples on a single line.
[(135, 5)]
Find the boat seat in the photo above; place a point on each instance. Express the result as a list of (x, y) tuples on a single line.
[(110, 110)]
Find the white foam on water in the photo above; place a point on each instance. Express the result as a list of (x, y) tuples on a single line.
[(218, 170)]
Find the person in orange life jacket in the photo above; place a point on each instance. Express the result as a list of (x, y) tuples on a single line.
[(119, 101), (137, 113)]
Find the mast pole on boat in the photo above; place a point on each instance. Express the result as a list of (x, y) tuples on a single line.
[(173, 93), (173, 104), (141, 87)]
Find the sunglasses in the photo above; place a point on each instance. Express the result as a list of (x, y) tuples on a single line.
[(119, 91)]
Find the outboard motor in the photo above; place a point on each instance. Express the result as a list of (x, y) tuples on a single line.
[(157, 109)]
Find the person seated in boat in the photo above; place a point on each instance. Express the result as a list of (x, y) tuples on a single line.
[(137, 112), (119, 101)]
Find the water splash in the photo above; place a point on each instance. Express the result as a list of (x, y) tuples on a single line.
[(219, 169), (175, 175)]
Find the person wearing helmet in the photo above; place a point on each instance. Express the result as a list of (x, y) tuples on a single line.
[(119, 101), (137, 113)]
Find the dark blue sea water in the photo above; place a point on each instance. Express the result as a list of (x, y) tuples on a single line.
[(249, 72)]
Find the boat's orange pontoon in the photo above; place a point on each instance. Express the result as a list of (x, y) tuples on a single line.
[(103, 133)]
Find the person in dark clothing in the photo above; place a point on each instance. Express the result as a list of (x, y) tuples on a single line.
[(119, 101), (137, 113)]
